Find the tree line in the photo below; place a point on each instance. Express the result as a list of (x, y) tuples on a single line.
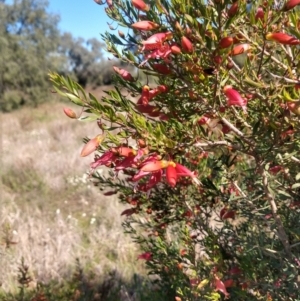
[(31, 45)]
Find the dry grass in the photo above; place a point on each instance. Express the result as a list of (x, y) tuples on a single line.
[(48, 207)]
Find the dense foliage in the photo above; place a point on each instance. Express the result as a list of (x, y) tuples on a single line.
[(207, 158)]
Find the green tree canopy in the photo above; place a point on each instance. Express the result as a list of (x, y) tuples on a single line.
[(31, 44), (29, 38)]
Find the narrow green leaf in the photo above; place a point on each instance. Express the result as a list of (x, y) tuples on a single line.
[(297, 185), (75, 99)]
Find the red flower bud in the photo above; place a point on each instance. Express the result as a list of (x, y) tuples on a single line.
[(217, 59), (239, 49), (233, 97), (124, 74), (70, 113), (121, 34), (225, 42), (233, 9), (187, 45), (92, 145), (282, 38), (290, 4), (162, 88), (178, 26), (175, 49), (146, 256), (294, 107), (203, 120), (161, 68), (145, 25), (140, 4), (260, 14)]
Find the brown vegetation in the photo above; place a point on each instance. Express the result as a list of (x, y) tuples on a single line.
[(50, 213)]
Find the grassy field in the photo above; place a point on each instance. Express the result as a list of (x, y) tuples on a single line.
[(50, 214)]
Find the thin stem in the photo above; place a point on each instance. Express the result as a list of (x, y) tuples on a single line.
[(211, 144), (280, 228)]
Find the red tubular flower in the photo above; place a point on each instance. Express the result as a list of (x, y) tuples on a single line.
[(70, 113), (220, 286), (239, 49), (148, 94), (140, 4), (187, 45), (107, 158), (92, 145), (145, 97), (234, 98), (156, 41), (145, 25), (159, 49), (141, 174), (146, 256), (155, 178), (162, 53), (291, 4), (154, 166), (171, 175), (282, 38), (225, 42), (153, 93), (183, 171)]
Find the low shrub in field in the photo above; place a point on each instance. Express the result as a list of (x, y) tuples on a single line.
[(82, 287), (207, 158)]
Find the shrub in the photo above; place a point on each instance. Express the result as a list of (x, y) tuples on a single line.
[(209, 154)]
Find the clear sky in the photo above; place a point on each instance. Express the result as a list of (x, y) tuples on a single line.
[(83, 18)]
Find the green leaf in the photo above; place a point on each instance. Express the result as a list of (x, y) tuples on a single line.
[(295, 186), (75, 99), (88, 118)]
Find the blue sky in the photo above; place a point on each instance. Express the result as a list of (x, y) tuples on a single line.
[(83, 18)]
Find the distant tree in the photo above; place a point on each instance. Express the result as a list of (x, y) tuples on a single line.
[(28, 41), (31, 45), (86, 61)]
